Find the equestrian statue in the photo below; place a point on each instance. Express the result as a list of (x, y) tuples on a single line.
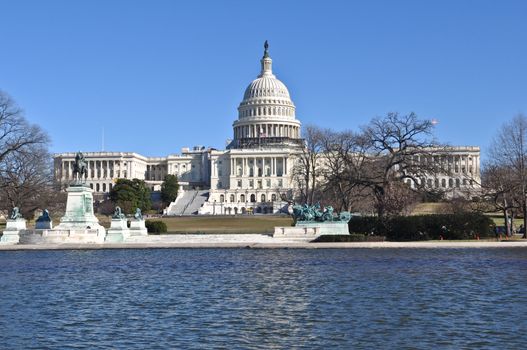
[(80, 168)]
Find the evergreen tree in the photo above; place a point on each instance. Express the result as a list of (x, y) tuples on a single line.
[(131, 194), (169, 189)]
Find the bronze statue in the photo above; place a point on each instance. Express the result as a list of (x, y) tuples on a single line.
[(266, 49), (15, 214), (44, 217), (313, 213), (138, 215), (80, 168), (118, 214)]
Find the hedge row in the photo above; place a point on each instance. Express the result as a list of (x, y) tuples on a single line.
[(155, 226), (425, 227), (354, 237)]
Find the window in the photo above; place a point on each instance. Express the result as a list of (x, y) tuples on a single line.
[(242, 198), (253, 198), (450, 183), (232, 198), (443, 183), (239, 183), (251, 183), (222, 198), (280, 183), (268, 183), (262, 197), (458, 183), (273, 197)]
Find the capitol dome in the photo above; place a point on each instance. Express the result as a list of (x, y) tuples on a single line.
[(266, 110)]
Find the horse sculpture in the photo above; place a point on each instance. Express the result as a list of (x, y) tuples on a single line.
[(80, 169), (313, 213)]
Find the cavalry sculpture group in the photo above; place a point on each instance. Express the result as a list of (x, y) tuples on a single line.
[(314, 213)]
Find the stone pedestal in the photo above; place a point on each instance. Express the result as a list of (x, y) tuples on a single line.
[(118, 231), (138, 228), (312, 229), (79, 211), (11, 234)]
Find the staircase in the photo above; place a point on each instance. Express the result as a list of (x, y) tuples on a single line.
[(188, 203)]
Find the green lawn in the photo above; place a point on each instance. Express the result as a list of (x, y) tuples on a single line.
[(225, 224)]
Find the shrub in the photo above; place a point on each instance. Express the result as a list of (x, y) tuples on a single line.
[(354, 237), (425, 227), (155, 226)]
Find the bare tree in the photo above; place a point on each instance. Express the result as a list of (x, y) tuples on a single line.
[(308, 165), (25, 165), (502, 191), (344, 157), (507, 172), (402, 148)]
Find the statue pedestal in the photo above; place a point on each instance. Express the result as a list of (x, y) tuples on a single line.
[(312, 229), (11, 234), (43, 225), (118, 231), (138, 228), (79, 211)]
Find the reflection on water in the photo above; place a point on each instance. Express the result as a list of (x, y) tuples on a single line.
[(264, 299)]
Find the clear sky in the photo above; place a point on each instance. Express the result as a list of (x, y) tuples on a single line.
[(161, 75)]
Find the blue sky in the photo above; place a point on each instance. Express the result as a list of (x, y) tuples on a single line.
[(161, 75)]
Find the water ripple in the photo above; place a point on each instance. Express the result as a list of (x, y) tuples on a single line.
[(264, 299)]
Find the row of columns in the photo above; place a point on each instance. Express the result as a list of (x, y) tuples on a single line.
[(266, 130), (273, 163), (267, 111), (98, 169)]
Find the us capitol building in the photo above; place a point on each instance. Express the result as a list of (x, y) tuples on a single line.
[(253, 174)]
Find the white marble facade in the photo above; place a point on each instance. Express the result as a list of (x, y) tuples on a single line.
[(254, 172)]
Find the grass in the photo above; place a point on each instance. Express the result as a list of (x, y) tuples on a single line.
[(429, 208), (224, 224)]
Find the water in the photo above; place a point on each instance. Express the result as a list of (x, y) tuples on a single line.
[(264, 299)]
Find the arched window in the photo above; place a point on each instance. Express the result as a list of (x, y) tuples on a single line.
[(242, 198), (262, 197), (235, 210), (450, 183), (458, 183), (91, 186), (273, 197), (97, 188), (104, 187), (443, 183), (222, 198), (253, 198), (232, 198)]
